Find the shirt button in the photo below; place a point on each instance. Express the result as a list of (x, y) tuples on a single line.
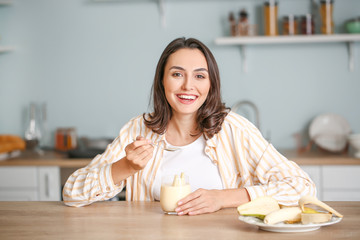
[(107, 188), (207, 150), (215, 162)]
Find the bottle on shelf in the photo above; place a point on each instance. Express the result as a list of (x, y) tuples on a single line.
[(270, 17), (232, 23), (326, 14), (290, 25), (307, 24), (243, 24)]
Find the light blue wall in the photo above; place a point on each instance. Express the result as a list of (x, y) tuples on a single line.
[(93, 64)]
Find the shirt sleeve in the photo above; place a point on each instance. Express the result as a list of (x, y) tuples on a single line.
[(94, 182), (280, 178)]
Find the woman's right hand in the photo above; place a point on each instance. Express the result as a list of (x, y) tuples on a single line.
[(138, 153)]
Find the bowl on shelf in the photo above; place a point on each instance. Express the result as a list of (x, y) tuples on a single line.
[(353, 25), (354, 141)]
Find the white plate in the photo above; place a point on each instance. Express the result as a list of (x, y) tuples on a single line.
[(330, 132), (283, 227)]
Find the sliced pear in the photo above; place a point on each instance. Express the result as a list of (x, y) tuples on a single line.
[(255, 215), (291, 214), (307, 218), (259, 206), (310, 210), (313, 200)]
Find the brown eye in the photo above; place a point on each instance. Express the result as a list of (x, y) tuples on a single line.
[(176, 74)]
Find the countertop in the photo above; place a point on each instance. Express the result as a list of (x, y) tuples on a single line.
[(61, 160), (145, 220)]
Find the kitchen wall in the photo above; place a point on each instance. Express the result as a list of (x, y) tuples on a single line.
[(93, 64)]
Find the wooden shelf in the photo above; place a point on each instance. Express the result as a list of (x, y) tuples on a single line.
[(6, 49), (287, 39), (349, 39), (6, 2)]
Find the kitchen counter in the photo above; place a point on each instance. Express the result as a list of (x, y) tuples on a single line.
[(145, 220), (61, 160), (320, 158), (49, 158)]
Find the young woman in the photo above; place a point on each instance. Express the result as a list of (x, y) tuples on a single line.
[(225, 156)]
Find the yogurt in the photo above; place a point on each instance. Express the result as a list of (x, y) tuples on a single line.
[(172, 191)]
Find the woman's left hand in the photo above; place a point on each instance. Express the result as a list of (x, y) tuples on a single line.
[(207, 201), (199, 202)]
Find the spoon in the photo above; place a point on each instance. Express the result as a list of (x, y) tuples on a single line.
[(169, 149)]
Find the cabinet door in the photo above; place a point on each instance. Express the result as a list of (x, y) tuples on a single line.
[(341, 183), (18, 183), (314, 173), (18, 177), (49, 184), (18, 195)]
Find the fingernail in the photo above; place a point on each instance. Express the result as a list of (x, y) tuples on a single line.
[(179, 203), (181, 213)]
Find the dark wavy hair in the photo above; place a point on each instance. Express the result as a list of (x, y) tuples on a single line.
[(210, 115)]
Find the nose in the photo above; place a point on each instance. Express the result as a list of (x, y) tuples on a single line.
[(188, 83)]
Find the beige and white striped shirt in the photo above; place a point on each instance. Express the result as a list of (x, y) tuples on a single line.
[(244, 159)]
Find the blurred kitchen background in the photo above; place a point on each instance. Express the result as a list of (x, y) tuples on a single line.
[(82, 68), (92, 63)]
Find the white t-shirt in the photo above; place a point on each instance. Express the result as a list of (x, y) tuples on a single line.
[(191, 160)]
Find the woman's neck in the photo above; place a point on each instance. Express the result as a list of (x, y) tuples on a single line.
[(182, 130)]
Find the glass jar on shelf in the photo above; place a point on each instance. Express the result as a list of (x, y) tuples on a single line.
[(290, 25), (326, 14), (270, 18), (307, 24)]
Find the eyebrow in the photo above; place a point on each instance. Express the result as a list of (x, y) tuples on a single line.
[(196, 70)]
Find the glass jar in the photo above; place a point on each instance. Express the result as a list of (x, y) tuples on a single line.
[(232, 24), (270, 17), (326, 13), (307, 24), (290, 26), (243, 24)]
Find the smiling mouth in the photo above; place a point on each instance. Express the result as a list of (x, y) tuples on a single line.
[(186, 98)]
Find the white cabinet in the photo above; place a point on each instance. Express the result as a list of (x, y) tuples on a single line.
[(335, 182), (341, 183), (30, 183), (315, 174)]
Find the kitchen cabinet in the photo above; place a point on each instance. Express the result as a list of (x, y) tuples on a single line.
[(37, 178), (335, 182), (30, 183)]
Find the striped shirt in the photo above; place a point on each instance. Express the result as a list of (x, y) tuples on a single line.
[(244, 159)]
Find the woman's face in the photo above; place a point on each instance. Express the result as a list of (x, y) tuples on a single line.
[(186, 81)]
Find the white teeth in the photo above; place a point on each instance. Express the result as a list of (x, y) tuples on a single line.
[(187, 97)]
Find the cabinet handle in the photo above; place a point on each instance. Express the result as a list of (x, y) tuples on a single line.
[(47, 185)]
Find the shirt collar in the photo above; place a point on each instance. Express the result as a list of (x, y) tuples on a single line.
[(213, 142)]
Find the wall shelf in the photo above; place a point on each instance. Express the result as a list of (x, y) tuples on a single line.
[(349, 39), (6, 49), (6, 2)]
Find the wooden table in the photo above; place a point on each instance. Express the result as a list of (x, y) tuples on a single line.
[(145, 220)]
